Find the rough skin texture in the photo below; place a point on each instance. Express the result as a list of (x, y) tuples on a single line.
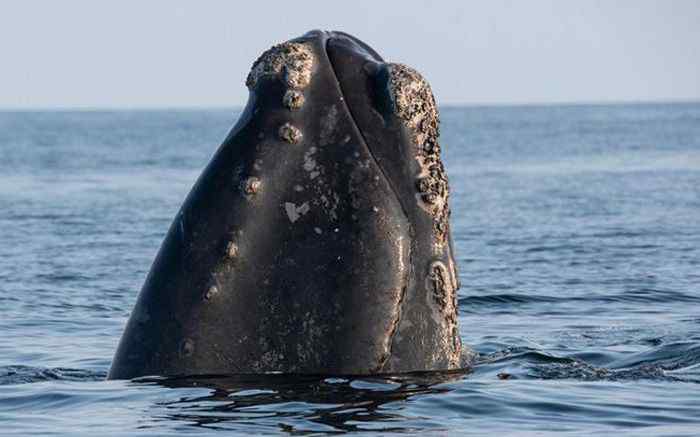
[(302, 257), (290, 60), (444, 296), (293, 99), (415, 105), (290, 134)]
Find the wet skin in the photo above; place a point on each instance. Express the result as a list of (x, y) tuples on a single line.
[(317, 239)]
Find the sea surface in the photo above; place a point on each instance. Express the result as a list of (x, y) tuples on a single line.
[(577, 232)]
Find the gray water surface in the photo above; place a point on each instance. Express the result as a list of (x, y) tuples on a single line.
[(577, 232)]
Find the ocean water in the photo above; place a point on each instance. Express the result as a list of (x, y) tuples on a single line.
[(577, 232)]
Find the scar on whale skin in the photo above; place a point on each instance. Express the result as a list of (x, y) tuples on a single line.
[(294, 212)]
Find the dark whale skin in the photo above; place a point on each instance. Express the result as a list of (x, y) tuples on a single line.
[(307, 244)]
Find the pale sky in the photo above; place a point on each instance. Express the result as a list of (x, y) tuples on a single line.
[(165, 53)]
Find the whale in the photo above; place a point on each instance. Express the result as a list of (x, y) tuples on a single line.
[(317, 239)]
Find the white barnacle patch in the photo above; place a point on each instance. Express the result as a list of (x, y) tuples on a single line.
[(310, 165), (231, 249), (290, 61), (328, 123), (439, 284), (442, 299), (414, 104), (309, 161), (453, 273), (251, 186), (294, 212), (211, 292), (330, 204), (186, 347), (400, 249), (293, 99), (289, 133)]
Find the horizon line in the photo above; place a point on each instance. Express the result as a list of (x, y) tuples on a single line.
[(184, 108)]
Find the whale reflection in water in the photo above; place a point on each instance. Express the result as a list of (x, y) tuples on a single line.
[(301, 403)]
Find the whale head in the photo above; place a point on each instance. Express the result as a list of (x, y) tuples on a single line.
[(317, 238)]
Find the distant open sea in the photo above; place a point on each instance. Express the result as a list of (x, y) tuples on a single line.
[(577, 232)]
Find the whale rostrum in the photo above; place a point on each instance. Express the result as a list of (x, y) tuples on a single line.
[(317, 239)]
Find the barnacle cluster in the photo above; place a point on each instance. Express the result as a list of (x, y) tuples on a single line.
[(292, 61), (414, 104)]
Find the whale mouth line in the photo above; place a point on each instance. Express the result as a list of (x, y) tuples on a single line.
[(408, 274)]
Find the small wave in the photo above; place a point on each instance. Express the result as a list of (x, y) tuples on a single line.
[(27, 374), (586, 372), (671, 356), (518, 354), (505, 298), (676, 362), (553, 248), (640, 295)]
